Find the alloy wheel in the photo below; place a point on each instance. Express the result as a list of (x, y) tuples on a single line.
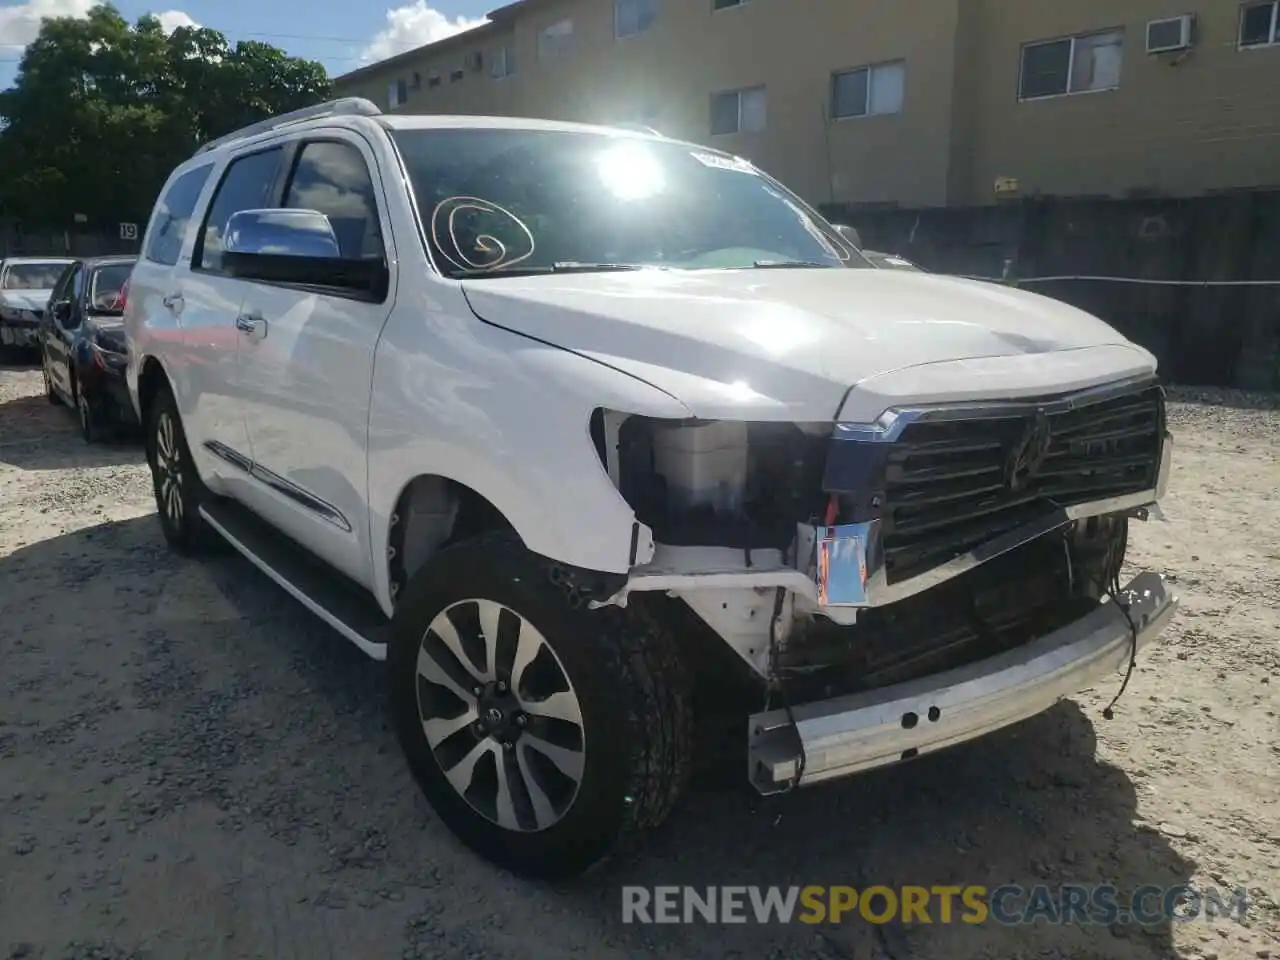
[(500, 715), (168, 467)]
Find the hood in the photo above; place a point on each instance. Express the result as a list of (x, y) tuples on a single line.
[(25, 299), (788, 344)]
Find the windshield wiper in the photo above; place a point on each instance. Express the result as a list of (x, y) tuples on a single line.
[(562, 266), (778, 264)]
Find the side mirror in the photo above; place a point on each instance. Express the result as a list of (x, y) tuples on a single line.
[(297, 247), (850, 234), (61, 310)]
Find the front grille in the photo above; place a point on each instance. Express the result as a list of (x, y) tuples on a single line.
[(946, 485)]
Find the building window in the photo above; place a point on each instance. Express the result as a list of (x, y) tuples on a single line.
[(503, 62), (1260, 24), (417, 81), (456, 75), (738, 111), (397, 94), (433, 80), (726, 4), (868, 90), (631, 17), (1083, 64), (554, 41)]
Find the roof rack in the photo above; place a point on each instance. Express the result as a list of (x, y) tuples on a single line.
[(344, 106)]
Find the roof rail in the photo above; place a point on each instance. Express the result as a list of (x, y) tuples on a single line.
[(344, 106)]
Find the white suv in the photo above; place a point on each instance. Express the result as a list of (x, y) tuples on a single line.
[(611, 446)]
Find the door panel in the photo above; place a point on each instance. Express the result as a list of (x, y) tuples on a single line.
[(306, 369), (208, 303), (55, 337)]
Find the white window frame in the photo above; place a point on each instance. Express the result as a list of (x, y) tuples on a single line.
[(739, 93), (617, 22), (870, 70), (393, 93), (1071, 63), (564, 39), (1275, 27), (500, 67)]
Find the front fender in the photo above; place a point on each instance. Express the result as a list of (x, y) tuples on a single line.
[(508, 417)]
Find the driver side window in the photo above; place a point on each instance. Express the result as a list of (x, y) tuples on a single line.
[(68, 291)]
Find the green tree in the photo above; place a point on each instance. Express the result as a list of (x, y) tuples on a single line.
[(102, 110)]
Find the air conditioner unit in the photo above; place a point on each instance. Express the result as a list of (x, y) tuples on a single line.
[(475, 60), (1168, 35)]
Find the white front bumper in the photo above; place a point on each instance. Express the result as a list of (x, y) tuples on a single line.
[(877, 728)]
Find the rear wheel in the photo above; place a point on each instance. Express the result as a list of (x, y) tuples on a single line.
[(542, 732), (178, 488), (89, 427)]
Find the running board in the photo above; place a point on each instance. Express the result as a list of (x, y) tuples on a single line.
[(336, 600)]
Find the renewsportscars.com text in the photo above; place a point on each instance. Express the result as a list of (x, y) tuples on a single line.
[(971, 904)]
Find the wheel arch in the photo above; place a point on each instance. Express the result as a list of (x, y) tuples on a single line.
[(152, 376), (431, 512)]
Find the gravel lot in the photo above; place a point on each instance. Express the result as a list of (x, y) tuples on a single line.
[(192, 766)]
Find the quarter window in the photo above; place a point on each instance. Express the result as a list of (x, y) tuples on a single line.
[(738, 111), (1260, 24), (245, 186), (332, 178), (1083, 64), (868, 90), (173, 213)]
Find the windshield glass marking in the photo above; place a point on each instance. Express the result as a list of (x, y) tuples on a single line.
[(736, 164), (468, 233), (498, 201)]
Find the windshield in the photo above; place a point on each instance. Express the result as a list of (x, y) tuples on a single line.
[(104, 290), (31, 276), (504, 201)]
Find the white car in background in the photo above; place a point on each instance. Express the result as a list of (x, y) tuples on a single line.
[(25, 286), (608, 443)]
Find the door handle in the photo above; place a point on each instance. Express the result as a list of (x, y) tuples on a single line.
[(253, 326), (173, 302)]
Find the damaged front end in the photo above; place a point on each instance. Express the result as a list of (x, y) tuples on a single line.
[(909, 584)]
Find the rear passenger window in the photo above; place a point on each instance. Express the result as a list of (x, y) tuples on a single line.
[(245, 186), (173, 213), (332, 178)]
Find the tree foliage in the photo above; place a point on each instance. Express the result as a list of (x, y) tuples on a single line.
[(102, 111)]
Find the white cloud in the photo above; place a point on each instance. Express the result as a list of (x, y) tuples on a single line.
[(171, 20), (21, 24), (412, 26)]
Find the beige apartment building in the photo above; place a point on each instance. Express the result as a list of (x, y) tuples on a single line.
[(909, 102)]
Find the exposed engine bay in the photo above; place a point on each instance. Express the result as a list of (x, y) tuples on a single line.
[(736, 496)]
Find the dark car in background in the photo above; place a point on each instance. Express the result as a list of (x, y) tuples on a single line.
[(25, 286), (82, 345)]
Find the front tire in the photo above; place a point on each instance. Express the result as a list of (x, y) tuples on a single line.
[(50, 393), (178, 488), (542, 732)]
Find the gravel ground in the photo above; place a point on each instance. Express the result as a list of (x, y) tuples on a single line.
[(191, 766)]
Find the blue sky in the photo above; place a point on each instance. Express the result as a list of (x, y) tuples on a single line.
[(341, 35)]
